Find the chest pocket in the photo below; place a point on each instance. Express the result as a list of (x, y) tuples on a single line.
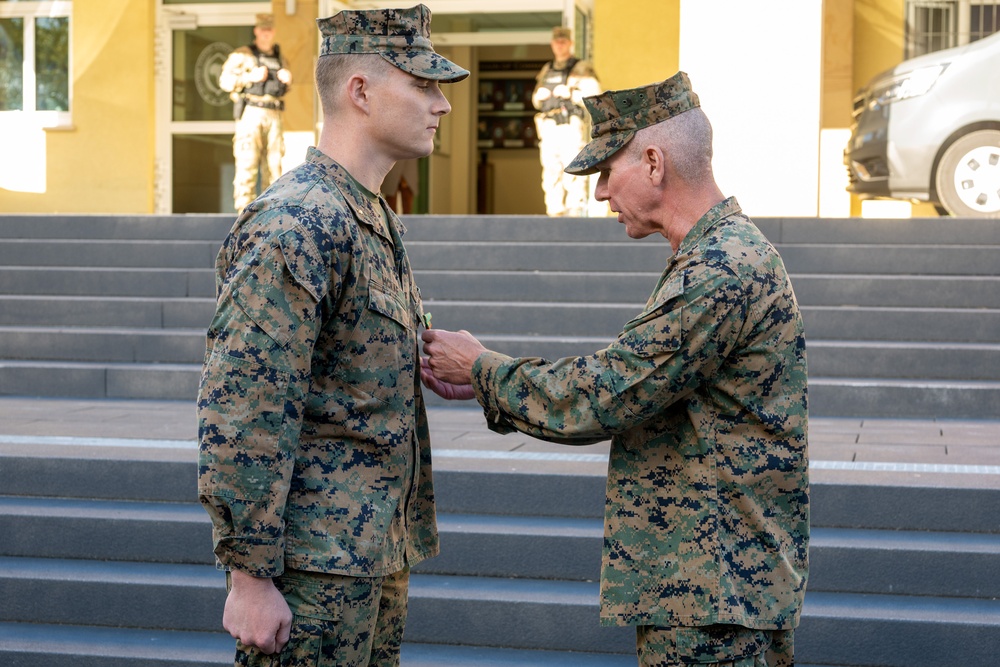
[(659, 327), (389, 302), (382, 348)]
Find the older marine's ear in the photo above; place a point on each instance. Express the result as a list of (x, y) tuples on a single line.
[(654, 163)]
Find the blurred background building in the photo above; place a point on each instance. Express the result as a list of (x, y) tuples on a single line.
[(113, 106)]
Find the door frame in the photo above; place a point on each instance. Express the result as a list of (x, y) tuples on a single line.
[(185, 17)]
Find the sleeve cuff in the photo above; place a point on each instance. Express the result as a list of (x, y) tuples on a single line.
[(484, 370), (265, 559)]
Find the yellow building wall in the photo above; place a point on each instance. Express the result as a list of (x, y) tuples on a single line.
[(878, 37), (838, 64), (297, 36), (878, 46), (629, 52), (104, 162)]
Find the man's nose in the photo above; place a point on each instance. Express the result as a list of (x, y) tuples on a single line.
[(443, 107), (601, 191)]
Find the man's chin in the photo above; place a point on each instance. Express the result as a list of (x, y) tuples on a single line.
[(634, 233)]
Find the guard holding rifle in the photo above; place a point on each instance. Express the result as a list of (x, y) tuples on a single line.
[(561, 124), (256, 77)]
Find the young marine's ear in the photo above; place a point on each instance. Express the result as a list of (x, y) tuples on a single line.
[(359, 91)]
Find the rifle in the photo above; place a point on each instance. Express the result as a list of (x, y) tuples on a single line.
[(239, 104)]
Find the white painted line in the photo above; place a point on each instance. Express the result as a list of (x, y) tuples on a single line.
[(517, 456), (500, 455), (96, 442)]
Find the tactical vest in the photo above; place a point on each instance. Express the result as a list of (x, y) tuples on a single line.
[(557, 77), (270, 85)]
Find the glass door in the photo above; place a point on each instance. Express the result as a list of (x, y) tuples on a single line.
[(195, 123)]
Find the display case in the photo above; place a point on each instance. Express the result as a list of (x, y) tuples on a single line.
[(505, 114)]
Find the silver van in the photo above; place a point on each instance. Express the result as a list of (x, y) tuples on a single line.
[(929, 130)]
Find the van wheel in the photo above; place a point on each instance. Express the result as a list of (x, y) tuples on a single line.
[(968, 176)]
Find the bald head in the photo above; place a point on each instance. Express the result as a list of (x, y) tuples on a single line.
[(686, 142)]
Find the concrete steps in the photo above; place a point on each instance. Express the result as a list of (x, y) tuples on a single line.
[(895, 311), (106, 562)]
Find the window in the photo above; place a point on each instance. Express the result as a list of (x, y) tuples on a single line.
[(34, 59), (933, 25)]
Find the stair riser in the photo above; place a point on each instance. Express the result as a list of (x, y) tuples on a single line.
[(886, 643), (931, 325), (594, 288), (825, 359), (897, 292), (871, 399), (904, 572), (833, 504), (101, 476), (829, 360), (898, 570), (106, 253), (123, 227), (125, 539), (97, 312), (112, 603), (99, 282), (142, 383), (107, 346), (514, 624), (878, 506), (832, 231), (652, 258), (41, 658)]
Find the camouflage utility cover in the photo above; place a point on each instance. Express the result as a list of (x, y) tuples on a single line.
[(703, 395), (616, 115), (400, 36), (314, 445)]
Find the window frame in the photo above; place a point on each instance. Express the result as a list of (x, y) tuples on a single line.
[(957, 14), (31, 11)]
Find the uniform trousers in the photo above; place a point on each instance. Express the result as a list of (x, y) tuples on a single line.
[(258, 146), (338, 621), (558, 144), (720, 645)]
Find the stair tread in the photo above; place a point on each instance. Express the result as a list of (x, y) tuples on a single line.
[(905, 540), (908, 608), (218, 647), (98, 508), (110, 572), (206, 647)]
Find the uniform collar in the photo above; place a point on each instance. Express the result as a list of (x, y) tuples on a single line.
[(365, 210), (712, 217)]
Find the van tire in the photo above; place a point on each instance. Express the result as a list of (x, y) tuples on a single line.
[(972, 160)]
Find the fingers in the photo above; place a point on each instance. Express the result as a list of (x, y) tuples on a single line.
[(284, 632)]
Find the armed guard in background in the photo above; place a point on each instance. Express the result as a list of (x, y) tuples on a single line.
[(256, 78), (561, 124)]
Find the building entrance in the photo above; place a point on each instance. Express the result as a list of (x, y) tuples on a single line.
[(195, 153)]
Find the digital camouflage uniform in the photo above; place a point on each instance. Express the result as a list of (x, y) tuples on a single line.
[(561, 128), (315, 461), (314, 445), (703, 396), (258, 140)]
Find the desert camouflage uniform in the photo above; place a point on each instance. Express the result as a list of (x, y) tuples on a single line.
[(315, 454), (259, 139), (703, 395), (561, 134)]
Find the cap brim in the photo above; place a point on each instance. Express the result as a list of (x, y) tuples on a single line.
[(426, 65), (597, 151)]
